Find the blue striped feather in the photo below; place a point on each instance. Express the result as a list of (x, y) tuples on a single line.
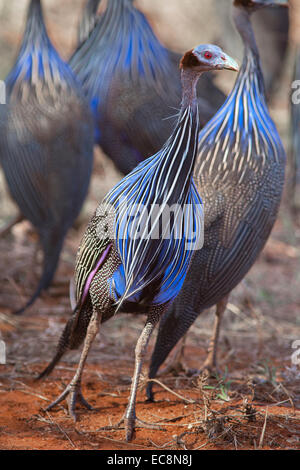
[(122, 45), (241, 135), (38, 65), (154, 269)]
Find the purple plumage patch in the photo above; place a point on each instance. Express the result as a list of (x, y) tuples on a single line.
[(93, 272)]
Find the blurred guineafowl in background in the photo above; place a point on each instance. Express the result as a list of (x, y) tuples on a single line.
[(46, 141), (128, 256), (125, 72), (239, 173)]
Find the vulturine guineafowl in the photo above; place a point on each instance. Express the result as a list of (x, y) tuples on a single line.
[(46, 141), (125, 72), (239, 173), (133, 256)]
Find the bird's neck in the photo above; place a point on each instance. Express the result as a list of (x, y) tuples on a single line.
[(38, 62), (189, 89), (89, 20), (177, 159), (128, 45), (251, 63), (241, 18), (35, 27)]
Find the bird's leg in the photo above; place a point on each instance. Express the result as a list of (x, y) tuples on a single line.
[(73, 390), (140, 351), (210, 364), (16, 220)]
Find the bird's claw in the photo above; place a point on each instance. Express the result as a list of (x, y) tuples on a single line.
[(74, 394), (129, 425)]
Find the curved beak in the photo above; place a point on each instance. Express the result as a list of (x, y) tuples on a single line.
[(228, 63)]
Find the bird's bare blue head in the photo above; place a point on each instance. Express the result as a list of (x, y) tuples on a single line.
[(206, 57), (202, 58)]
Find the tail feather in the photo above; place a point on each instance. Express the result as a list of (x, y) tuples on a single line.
[(72, 336)]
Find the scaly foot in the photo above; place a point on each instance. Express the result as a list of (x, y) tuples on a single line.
[(74, 394), (130, 425)]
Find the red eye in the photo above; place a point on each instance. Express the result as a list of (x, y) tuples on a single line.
[(208, 55)]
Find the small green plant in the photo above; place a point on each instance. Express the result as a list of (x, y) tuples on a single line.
[(222, 387)]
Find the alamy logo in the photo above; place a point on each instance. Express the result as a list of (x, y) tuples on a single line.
[(139, 222), (295, 358), (2, 352), (2, 92), (296, 93)]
